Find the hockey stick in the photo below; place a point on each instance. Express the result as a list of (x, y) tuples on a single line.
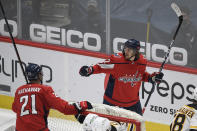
[(14, 44), (149, 13), (180, 16), (121, 63)]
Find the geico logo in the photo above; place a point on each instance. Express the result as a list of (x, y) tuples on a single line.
[(76, 39), (54, 35), (176, 91), (4, 30), (151, 51), (174, 50), (12, 69)]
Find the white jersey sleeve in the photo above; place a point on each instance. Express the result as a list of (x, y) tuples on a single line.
[(193, 123), (184, 119), (88, 121)]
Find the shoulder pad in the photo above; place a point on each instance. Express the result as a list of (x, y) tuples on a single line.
[(193, 106), (142, 60)]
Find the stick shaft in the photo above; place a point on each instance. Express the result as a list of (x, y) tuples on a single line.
[(14, 44), (162, 65), (171, 43)]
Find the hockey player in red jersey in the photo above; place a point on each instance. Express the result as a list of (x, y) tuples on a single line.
[(124, 73), (33, 101)]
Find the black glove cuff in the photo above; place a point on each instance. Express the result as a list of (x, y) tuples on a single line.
[(90, 71), (89, 105), (77, 106), (150, 79), (80, 118)]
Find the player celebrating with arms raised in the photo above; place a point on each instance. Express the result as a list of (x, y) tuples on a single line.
[(125, 72), (185, 118)]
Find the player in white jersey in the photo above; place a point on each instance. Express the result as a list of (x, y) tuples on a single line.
[(93, 122), (185, 118)]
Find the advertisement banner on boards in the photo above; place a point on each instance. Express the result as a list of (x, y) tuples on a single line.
[(82, 24), (11, 73)]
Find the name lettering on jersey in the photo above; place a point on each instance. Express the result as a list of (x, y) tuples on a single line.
[(186, 111), (133, 79), (26, 90)]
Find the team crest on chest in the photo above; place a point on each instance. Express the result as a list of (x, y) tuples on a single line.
[(131, 78)]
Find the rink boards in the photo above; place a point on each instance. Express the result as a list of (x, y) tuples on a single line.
[(61, 67)]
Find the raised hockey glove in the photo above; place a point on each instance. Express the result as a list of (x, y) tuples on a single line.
[(156, 77), (86, 71), (159, 77), (82, 106)]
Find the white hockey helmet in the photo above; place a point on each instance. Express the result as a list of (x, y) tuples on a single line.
[(94, 122), (101, 124), (88, 122), (194, 94)]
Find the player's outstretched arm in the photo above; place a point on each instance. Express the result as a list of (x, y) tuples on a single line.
[(103, 67), (55, 102)]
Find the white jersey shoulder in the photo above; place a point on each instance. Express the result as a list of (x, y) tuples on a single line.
[(93, 122), (184, 119), (193, 122)]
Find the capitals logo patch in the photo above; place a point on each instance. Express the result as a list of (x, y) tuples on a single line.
[(131, 78)]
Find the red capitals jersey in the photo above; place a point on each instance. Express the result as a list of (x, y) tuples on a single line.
[(32, 103), (123, 79)]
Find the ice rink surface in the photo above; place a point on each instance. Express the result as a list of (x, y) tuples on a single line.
[(7, 120)]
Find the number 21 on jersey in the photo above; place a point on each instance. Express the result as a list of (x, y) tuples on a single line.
[(28, 101)]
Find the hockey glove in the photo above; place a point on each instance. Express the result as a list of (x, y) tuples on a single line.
[(86, 71), (83, 105), (80, 118), (156, 77)]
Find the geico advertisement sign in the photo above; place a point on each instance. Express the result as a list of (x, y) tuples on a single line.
[(11, 74), (60, 36), (173, 92)]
